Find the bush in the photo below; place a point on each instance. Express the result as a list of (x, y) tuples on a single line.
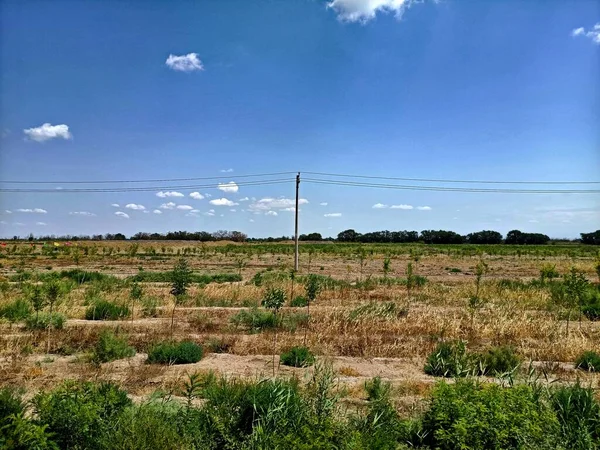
[(16, 311), (449, 359), (589, 361), (578, 413), (81, 414), (472, 416), (297, 357), (103, 310), (256, 319), (591, 303), (185, 352), (498, 361), (548, 272), (21, 433), (167, 277), (11, 403), (299, 302), (110, 347), (44, 321)]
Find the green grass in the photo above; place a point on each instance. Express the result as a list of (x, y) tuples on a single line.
[(297, 357), (166, 277), (185, 352)]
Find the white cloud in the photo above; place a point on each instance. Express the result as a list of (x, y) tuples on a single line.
[(146, 211), (290, 209), (157, 211), (196, 195), (424, 208), (270, 213), (47, 132), (593, 34), (122, 214), (323, 203), (401, 207), (245, 199), (222, 202), (365, 10), (184, 63), (210, 212), (169, 205), (42, 224), (195, 211), (379, 206), (226, 170), (162, 194), (267, 204), (135, 206), (207, 195), (251, 220), (82, 213), (333, 215), (229, 187), (8, 211), (116, 205), (34, 210), (233, 210), (185, 207)]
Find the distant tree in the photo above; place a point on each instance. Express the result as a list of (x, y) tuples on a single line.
[(516, 237), (310, 237), (348, 236), (441, 237), (484, 237), (591, 238)]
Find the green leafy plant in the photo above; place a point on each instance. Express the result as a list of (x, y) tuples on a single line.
[(548, 272), (104, 310), (312, 286), (449, 359), (274, 299), (589, 361), (387, 266), (299, 302), (498, 361), (185, 352), (16, 311), (180, 280), (110, 347), (575, 285), (136, 293), (578, 413), (45, 321), (297, 357), (36, 297)]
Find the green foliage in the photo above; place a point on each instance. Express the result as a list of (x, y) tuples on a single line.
[(21, 433), (578, 413), (297, 357), (166, 277), (111, 347), (181, 277), (104, 310), (53, 292), (36, 297), (80, 415), (449, 359), (11, 403), (44, 321), (548, 272), (274, 299), (267, 277), (16, 311), (472, 416), (299, 302), (136, 292), (256, 319), (313, 285), (185, 352), (590, 301), (589, 361), (498, 361)]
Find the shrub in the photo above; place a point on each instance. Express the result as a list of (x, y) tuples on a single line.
[(185, 352), (591, 303), (299, 302), (589, 361), (218, 345), (256, 319), (46, 320), (110, 347), (81, 414), (11, 403), (297, 357), (469, 415), (578, 413), (449, 359), (498, 361), (104, 310), (548, 272), (16, 311), (21, 433)]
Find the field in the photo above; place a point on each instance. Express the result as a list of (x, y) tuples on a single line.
[(379, 311)]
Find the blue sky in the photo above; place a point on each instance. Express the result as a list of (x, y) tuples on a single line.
[(463, 90)]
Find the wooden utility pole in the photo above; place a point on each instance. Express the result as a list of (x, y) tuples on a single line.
[(297, 253)]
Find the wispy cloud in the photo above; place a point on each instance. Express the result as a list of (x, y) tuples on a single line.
[(185, 207), (8, 211), (333, 215), (169, 205), (184, 63), (135, 206), (32, 210), (245, 199), (593, 33), (222, 202), (323, 204), (116, 205), (270, 213), (424, 208), (267, 204), (379, 206), (210, 212), (401, 207), (122, 214), (162, 194), (229, 187), (365, 10), (157, 211), (48, 131), (42, 224), (196, 195), (226, 170), (82, 213)]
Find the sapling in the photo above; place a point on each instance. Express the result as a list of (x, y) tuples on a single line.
[(476, 301), (575, 284), (313, 287), (386, 266), (135, 294), (181, 277), (274, 299)]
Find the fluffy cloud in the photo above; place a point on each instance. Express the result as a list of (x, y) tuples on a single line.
[(185, 207), (82, 213), (333, 215), (593, 34), (229, 187), (42, 224), (226, 170), (162, 194), (270, 213), (401, 207), (365, 10), (222, 202), (169, 205), (196, 195), (116, 205), (135, 206), (47, 132), (122, 214), (323, 203), (424, 208), (184, 63), (267, 204), (34, 210), (157, 211), (379, 206)]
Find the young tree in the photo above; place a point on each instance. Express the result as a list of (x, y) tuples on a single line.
[(274, 299), (37, 300), (53, 292), (313, 287), (135, 295), (575, 284), (410, 280), (386, 266), (181, 277), (476, 301)]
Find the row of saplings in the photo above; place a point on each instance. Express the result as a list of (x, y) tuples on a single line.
[(214, 413)]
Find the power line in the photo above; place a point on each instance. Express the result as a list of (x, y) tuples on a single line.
[(164, 180), (433, 180), (449, 189)]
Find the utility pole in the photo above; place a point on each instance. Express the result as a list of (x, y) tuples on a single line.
[(297, 253)]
